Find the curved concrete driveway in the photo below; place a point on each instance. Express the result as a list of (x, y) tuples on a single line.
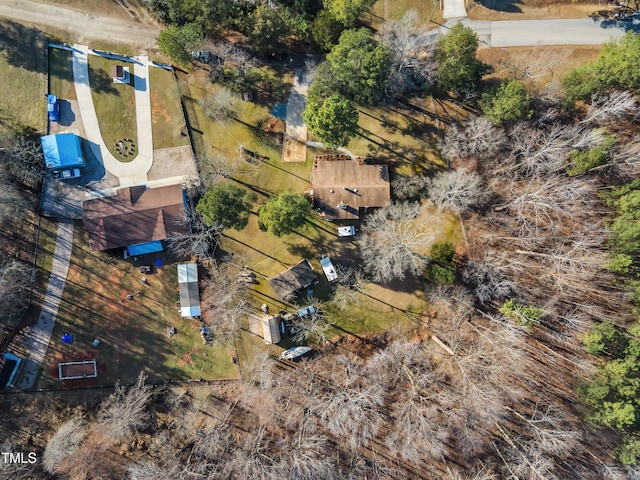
[(134, 172)]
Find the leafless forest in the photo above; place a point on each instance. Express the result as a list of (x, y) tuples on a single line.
[(464, 392)]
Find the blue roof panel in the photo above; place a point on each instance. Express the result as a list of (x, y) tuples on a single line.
[(62, 151)]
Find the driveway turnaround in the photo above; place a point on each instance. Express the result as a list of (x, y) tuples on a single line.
[(454, 9), (36, 339), (134, 172)]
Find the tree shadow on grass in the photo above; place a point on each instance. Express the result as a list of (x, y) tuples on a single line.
[(101, 81), (23, 46), (509, 6)]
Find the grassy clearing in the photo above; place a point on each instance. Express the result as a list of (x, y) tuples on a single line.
[(115, 105), (386, 10), (23, 75), (169, 129), (398, 135), (61, 74), (133, 332)]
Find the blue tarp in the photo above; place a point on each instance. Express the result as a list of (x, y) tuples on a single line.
[(279, 111), (62, 151), (67, 338), (142, 248)]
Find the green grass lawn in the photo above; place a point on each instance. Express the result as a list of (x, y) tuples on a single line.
[(61, 74), (386, 10), (169, 129), (398, 135), (133, 332), (115, 105), (403, 136), (23, 74)]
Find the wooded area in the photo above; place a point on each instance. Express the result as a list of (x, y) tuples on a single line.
[(525, 364)]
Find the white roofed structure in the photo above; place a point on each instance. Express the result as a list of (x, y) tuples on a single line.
[(271, 329), (188, 286)]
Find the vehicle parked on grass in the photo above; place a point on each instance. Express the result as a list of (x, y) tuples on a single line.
[(67, 174)]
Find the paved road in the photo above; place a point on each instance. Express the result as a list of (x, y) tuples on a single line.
[(36, 339), (516, 33), (83, 26)]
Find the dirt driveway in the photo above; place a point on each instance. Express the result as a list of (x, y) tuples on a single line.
[(81, 27)]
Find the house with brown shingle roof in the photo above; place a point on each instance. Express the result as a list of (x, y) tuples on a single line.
[(135, 215), (344, 188)]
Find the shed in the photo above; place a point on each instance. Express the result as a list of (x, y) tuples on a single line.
[(62, 151), (9, 364), (290, 283), (120, 74), (271, 329), (329, 269), (188, 287)]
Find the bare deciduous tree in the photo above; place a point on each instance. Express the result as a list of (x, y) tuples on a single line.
[(63, 444), (479, 138), (349, 288), (410, 188), (488, 282), (224, 301), (412, 54), (392, 241), (457, 190), (23, 159), (15, 278), (541, 151), (219, 104), (124, 411), (606, 108), (350, 407)]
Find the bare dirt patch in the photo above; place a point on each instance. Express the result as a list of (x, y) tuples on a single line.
[(185, 360), (293, 150), (530, 9)]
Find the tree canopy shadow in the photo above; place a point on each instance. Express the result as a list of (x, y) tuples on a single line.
[(101, 81), (509, 6), (22, 46)]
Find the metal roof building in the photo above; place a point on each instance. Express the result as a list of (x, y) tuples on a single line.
[(62, 151), (188, 286)]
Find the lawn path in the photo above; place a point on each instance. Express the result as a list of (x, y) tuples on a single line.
[(35, 339)]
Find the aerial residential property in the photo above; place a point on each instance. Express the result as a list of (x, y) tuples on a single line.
[(330, 239)]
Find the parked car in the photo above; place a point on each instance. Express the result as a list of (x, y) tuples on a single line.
[(53, 108), (67, 174), (310, 310), (204, 56)]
